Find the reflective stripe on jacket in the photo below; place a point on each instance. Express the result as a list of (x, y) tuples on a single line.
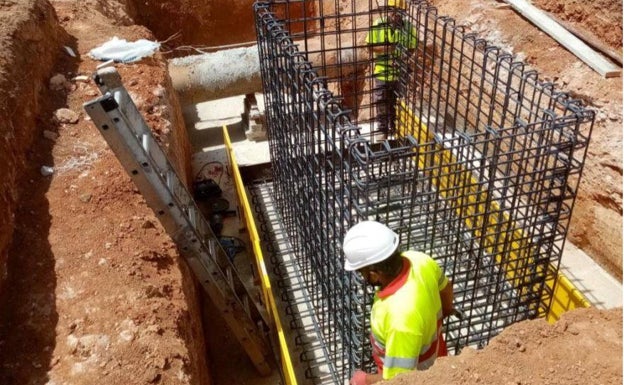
[(406, 317), (383, 33)]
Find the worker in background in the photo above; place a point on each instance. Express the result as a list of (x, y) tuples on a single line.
[(413, 296), (388, 38)]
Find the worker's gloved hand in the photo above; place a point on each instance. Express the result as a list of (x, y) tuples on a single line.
[(359, 378)]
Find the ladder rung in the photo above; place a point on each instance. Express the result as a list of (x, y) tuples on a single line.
[(246, 305), (145, 142), (230, 278)]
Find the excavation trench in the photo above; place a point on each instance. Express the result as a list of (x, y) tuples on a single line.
[(84, 263), (66, 201)]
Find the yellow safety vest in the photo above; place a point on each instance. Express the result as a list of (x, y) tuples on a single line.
[(406, 317), (382, 33)]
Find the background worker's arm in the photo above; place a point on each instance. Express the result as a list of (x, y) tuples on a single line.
[(446, 297)]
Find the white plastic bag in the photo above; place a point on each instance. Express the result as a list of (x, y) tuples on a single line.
[(123, 51)]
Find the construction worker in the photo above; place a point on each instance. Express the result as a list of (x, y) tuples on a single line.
[(412, 298), (388, 38)]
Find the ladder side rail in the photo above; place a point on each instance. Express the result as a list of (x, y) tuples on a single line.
[(180, 208), (150, 171), (135, 124)]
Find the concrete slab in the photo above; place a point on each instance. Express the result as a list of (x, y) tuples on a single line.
[(600, 288), (311, 358), (205, 122)]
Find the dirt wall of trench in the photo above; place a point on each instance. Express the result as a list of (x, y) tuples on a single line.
[(29, 39), (202, 24), (94, 290), (190, 23)]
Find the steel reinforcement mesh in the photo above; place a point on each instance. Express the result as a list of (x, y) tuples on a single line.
[(480, 169)]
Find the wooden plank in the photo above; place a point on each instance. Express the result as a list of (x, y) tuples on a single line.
[(592, 58), (589, 38)]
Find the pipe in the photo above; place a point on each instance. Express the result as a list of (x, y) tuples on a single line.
[(221, 74), (216, 75)]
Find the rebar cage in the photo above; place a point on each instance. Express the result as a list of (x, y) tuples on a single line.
[(479, 168)]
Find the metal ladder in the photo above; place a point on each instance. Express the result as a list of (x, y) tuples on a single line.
[(122, 126)]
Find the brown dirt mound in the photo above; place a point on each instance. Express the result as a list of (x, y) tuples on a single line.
[(583, 347)]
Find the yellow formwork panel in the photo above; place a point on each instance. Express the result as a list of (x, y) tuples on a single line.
[(565, 297), (287, 368), (497, 231)]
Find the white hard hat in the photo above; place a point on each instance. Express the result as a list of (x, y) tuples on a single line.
[(367, 243)]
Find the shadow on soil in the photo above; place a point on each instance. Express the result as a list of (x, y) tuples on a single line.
[(29, 319)]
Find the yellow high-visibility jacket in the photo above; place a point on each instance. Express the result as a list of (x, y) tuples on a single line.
[(383, 33), (406, 317)]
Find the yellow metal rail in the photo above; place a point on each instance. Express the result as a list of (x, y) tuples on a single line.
[(498, 232), (565, 297), (288, 372)]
